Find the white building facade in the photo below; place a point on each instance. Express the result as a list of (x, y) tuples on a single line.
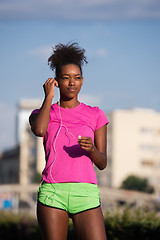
[(32, 158), (133, 146)]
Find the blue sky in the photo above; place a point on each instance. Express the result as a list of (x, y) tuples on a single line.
[(122, 48)]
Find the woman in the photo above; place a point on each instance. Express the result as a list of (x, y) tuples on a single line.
[(74, 136)]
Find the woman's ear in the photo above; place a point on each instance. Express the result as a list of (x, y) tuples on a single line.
[(57, 85)]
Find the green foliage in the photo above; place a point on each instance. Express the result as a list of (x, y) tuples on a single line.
[(133, 182), (138, 225), (133, 225), (17, 227)]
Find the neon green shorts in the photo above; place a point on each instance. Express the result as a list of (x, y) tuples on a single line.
[(71, 197)]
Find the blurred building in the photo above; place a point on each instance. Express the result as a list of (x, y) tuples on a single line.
[(9, 166), (23, 163), (21, 167), (25, 107), (32, 158), (133, 147)]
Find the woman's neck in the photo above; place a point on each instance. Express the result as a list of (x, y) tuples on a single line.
[(69, 103)]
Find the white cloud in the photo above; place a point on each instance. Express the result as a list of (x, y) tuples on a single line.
[(102, 52), (43, 52), (80, 10)]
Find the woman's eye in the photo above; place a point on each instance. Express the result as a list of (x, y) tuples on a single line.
[(78, 78)]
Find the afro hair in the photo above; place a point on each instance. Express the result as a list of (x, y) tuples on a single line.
[(70, 53)]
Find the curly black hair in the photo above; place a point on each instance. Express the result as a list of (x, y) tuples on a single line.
[(63, 54)]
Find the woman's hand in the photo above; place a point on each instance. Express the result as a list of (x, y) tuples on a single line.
[(86, 143), (49, 87), (39, 122), (98, 149)]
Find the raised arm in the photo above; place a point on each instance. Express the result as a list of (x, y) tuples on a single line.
[(39, 122)]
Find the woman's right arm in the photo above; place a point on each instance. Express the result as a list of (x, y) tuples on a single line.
[(39, 121)]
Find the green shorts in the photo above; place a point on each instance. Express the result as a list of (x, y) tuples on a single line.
[(71, 197)]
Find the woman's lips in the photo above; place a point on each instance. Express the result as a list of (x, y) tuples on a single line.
[(72, 89)]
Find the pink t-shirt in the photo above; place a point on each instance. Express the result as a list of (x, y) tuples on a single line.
[(66, 161)]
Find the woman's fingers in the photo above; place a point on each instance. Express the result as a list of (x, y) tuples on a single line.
[(86, 143), (49, 86)]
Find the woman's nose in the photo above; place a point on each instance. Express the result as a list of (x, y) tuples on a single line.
[(71, 81)]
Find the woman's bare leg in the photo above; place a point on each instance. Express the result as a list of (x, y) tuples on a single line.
[(53, 222), (89, 225)]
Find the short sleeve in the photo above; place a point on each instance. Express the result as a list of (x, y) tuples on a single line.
[(35, 111), (101, 118)]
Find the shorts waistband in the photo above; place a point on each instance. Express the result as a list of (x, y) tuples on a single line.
[(72, 186)]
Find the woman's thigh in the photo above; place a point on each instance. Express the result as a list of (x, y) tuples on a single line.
[(53, 222), (89, 224)]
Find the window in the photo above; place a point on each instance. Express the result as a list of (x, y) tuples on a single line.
[(147, 163), (145, 130), (147, 147)]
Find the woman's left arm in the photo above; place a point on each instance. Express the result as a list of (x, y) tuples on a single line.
[(98, 150)]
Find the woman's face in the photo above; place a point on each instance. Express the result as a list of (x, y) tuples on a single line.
[(70, 81)]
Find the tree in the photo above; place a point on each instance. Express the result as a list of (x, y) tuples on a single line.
[(133, 182)]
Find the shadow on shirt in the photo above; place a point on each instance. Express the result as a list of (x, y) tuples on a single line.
[(75, 151)]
